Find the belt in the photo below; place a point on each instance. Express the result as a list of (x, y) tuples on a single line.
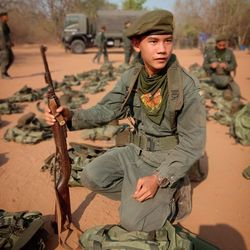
[(150, 143)]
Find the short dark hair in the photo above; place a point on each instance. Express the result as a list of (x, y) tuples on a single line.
[(3, 13)]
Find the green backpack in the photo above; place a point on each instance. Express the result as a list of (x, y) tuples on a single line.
[(169, 237), (240, 128), (22, 230)]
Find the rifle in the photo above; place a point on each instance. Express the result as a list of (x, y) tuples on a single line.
[(63, 170)]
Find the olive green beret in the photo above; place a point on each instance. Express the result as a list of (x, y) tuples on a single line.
[(220, 38), (153, 22)]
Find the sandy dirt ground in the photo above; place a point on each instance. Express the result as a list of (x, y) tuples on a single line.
[(221, 203)]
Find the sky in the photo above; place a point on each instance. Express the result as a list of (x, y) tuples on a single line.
[(152, 4)]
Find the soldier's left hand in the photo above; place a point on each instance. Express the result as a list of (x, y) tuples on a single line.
[(223, 65), (146, 188)]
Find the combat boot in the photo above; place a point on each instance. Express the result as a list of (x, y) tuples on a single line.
[(6, 76)]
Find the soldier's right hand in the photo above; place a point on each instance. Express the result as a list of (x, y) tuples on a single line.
[(214, 65), (51, 119)]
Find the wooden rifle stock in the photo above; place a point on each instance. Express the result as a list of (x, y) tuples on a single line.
[(63, 170)]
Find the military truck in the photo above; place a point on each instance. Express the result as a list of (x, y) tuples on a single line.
[(79, 30)]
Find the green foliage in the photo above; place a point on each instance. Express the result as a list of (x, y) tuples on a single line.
[(42, 20), (133, 4), (229, 17)]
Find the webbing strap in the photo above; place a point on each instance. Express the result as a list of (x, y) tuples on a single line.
[(97, 240), (152, 144), (132, 80)]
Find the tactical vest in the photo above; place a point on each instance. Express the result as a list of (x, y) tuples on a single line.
[(175, 87)]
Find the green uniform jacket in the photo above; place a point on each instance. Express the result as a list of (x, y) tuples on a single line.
[(100, 39), (2, 37), (189, 126), (126, 41), (226, 57)]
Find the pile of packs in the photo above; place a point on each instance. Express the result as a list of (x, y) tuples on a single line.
[(29, 130), (7, 108), (106, 132), (22, 230), (80, 155), (27, 94), (221, 107)]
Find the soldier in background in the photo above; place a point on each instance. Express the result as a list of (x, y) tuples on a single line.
[(127, 45), (6, 53), (101, 42), (220, 63)]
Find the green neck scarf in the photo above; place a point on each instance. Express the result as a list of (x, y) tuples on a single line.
[(153, 94)]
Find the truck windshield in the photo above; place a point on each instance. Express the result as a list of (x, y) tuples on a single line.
[(71, 20)]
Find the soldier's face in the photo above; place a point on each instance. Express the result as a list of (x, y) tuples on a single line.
[(221, 45), (155, 51), (5, 18)]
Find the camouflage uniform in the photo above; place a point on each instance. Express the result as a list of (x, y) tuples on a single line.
[(222, 77), (101, 42), (168, 147), (6, 53)]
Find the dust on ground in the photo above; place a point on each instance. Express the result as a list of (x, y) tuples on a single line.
[(221, 203)]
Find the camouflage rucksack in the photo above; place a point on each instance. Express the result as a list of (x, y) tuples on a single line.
[(80, 155), (106, 132), (29, 130), (9, 108), (169, 237), (27, 94), (22, 230), (240, 128)]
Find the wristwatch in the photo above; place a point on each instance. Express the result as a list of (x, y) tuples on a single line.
[(162, 181)]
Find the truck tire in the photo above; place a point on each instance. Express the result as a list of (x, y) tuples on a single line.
[(78, 46)]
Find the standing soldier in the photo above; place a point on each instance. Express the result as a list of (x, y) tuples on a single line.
[(168, 134), (127, 45), (6, 53), (101, 42), (219, 63)]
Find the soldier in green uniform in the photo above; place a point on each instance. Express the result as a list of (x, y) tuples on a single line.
[(6, 53), (101, 42), (168, 135), (127, 45), (220, 63)]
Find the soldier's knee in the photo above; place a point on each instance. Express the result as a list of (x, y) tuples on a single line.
[(89, 178)]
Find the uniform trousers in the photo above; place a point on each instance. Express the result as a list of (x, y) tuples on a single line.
[(6, 59), (115, 175)]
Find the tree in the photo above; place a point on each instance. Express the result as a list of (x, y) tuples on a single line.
[(44, 19), (230, 17), (133, 4)]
